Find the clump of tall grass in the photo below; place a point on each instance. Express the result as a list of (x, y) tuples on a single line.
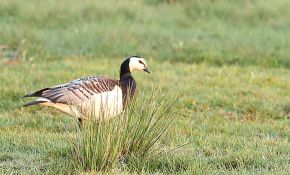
[(128, 140)]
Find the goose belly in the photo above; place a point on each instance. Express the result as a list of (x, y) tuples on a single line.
[(103, 105)]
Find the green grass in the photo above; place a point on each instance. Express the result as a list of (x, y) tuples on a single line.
[(129, 141), (234, 55)]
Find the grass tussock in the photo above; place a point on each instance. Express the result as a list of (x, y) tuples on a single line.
[(129, 140)]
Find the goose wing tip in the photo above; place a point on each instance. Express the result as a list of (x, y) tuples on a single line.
[(27, 95)]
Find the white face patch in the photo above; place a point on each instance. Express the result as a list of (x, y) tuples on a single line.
[(137, 64)]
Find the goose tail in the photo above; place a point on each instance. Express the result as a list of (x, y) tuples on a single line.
[(36, 102), (32, 103), (35, 94)]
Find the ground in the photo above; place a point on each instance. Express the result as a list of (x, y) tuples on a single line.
[(232, 56)]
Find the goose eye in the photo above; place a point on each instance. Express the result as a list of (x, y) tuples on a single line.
[(141, 62)]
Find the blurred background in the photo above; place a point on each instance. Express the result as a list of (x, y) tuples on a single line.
[(217, 32)]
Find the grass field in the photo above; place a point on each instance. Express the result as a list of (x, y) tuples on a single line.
[(233, 55)]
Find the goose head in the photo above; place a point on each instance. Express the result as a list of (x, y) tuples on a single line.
[(133, 63)]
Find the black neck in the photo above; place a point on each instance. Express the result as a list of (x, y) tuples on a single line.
[(124, 73), (127, 82), (125, 69), (128, 86), (126, 77)]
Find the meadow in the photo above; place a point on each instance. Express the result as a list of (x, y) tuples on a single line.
[(234, 57)]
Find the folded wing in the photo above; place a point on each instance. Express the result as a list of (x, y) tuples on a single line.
[(75, 92)]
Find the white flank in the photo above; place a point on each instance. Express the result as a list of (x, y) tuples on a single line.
[(104, 105)]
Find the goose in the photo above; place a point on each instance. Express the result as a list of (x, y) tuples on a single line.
[(104, 97)]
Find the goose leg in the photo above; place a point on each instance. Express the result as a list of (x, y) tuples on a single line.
[(80, 122)]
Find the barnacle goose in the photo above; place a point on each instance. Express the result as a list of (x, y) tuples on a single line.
[(100, 95)]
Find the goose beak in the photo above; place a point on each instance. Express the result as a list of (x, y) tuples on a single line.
[(146, 70)]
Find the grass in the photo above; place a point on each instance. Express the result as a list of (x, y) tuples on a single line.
[(233, 54), (129, 141), (217, 33)]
